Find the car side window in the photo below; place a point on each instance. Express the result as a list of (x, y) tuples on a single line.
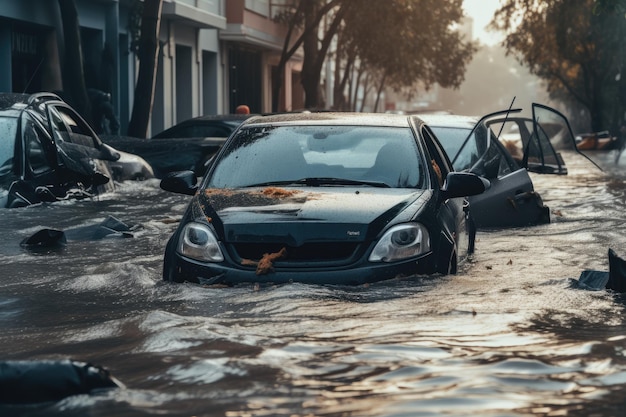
[(35, 153), (207, 131), (8, 129), (439, 160), (58, 126), (71, 127)]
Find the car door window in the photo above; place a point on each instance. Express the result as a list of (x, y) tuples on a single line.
[(71, 128), (440, 161), (206, 131), (8, 130), (57, 125), (36, 157), (453, 140)]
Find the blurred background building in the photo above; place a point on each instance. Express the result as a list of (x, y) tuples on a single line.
[(214, 55)]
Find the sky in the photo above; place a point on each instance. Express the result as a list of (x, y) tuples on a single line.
[(482, 12)]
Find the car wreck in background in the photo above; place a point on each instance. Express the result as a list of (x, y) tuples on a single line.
[(477, 146), (48, 153), (188, 145), (326, 198)]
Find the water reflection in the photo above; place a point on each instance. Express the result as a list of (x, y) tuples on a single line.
[(510, 335)]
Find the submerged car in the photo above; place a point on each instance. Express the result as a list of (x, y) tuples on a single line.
[(48, 152), (188, 145), (209, 126), (327, 198), (475, 145)]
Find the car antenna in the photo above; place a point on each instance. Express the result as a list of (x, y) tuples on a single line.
[(505, 118)]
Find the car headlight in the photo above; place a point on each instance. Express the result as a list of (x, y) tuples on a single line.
[(401, 242), (198, 242)]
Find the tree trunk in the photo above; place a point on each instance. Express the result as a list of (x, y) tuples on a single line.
[(381, 87), (315, 53), (342, 76), (148, 60), (310, 29), (73, 73)]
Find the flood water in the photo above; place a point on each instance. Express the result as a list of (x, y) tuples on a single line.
[(510, 335)]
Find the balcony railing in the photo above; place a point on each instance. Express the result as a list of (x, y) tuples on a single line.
[(210, 6)]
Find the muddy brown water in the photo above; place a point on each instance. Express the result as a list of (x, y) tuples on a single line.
[(510, 335)]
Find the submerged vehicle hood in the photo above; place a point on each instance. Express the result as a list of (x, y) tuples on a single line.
[(296, 215)]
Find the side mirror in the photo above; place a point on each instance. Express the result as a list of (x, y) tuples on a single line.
[(181, 182), (463, 184)]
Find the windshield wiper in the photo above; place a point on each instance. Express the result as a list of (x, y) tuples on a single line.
[(319, 181)]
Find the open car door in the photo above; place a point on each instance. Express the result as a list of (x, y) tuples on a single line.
[(530, 142), (511, 200), (551, 128)]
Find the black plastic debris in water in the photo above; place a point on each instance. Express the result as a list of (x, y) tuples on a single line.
[(614, 279), (29, 382), (51, 238), (45, 238)]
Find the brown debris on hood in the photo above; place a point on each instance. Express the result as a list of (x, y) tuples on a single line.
[(278, 192), (220, 198), (266, 264)]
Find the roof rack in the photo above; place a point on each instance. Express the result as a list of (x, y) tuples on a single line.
[(43, 96)]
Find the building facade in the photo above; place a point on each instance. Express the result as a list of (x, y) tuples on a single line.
[(253, 43), (214, 54)]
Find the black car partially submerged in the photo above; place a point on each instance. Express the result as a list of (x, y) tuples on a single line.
[(188, 145), (335, 198), (49, 152), (35, 165)]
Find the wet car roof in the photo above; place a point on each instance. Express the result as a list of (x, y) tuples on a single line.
[(338, 118), (217, 117), (449, 120)]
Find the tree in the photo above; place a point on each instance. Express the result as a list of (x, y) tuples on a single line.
[(577, 47), (73, 74), (148, 52), (401, 42), (305, 15), (410, 48)]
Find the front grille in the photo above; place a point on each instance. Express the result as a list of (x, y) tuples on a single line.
[(309, 252)]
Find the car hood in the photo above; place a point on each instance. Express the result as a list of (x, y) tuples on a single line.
[(295, 216)]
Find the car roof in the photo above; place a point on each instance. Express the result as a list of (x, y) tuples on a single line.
[(22, 100), (450, 120), (333, 118), (217, 118)]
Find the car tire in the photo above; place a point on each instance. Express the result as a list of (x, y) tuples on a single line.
[(453, 266), (448, 263), (169, 271), (472, 236), (170, 274)]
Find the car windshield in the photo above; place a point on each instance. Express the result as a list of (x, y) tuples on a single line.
[(320, 155), (8, 129)]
